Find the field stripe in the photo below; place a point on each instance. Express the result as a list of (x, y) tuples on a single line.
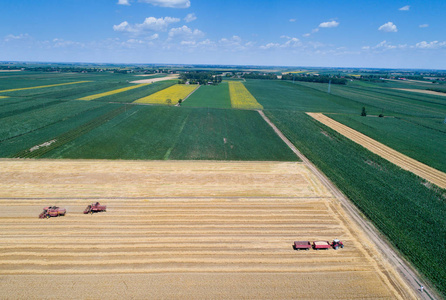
[(93, 97), (409, 164), (174, 93), (42, 86), (241, 98), (3, 97)]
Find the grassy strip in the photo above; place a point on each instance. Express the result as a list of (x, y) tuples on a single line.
[(96, 96), (42, 86), (40, 150), (409, 211)]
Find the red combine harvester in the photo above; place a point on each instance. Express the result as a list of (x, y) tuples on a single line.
[(336, 244), (321, 245), (95, 207), (52, 211), (301, 245)]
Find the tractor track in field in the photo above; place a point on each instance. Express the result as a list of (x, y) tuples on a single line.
[(409, 164), (408, 273)]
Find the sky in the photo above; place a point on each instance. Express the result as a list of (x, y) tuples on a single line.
[(337, 33)]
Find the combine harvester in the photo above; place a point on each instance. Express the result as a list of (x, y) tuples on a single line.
[(52, 211), (94, 208)]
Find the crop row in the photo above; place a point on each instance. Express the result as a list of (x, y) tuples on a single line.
[(39, 150), (47, 132), (241, 98), (22, 123)]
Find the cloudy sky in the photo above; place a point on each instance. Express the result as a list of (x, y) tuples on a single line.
[(335, 33)]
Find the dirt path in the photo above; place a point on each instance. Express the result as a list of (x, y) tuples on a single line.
[(373, 235), (152, 80), (430, 174)]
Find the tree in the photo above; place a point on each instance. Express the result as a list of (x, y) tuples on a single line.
[(363, 113), (180, 101), (169, 102)]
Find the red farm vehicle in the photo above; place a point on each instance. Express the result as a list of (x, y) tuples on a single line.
[(336, 244), (321, 245), (94, 208), (302, 245), (52, 211)]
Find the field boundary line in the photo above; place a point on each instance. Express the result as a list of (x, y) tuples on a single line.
[(407, 272), (198, 86), (403, 161)]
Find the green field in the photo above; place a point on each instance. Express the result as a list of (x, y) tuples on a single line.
[(145, 132), (212, 96)]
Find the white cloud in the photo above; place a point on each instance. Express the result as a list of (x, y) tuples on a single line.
[(329, 24), (306, 34), (123, 2), (388, 27), (292, 42), (190, 18), (431, 45), (405, 8), (424, 25), (169, 3), (292, 20), (270, 46), (149, 24), (11, 37), (59, 43), (185, 33)]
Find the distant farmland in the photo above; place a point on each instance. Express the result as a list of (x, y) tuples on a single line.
[(42, 118)]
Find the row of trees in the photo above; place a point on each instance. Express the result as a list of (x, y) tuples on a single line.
[(199, 78), (314, 78), (257, 75)]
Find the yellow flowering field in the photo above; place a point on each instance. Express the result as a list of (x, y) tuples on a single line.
[(42, 86), (241, 98), (174, 93), (2, 97), (92, 97)]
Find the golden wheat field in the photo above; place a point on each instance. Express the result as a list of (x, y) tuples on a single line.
[(173, 93), (180, 229), (241, 98)]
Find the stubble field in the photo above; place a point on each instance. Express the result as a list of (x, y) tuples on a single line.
[(178, 229)]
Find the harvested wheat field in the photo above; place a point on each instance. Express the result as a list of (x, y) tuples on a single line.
[(424, 171), (180, 230)]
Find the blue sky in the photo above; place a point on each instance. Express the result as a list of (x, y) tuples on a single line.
[(336, 33)]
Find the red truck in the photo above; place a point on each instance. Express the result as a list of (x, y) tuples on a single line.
[(95, 207), (302, 245), (52, 211)]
